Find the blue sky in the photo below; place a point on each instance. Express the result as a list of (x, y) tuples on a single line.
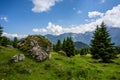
[(23, 17)]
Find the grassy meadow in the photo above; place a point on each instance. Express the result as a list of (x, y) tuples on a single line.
[(57, 68)]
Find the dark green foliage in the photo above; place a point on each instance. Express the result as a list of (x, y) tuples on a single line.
[(4, 41), (15, 41), (117, 49), (1, 30), (64, 45), (58, 46), (68, 47), (101, 46), (84, 51)]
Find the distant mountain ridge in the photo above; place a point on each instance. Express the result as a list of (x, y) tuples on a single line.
[(80, 45), (86, 37)]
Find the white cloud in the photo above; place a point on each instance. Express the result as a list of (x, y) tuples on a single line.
[(94, 14), (43, 5), (4, 18), (110, 17), (13, 35), (51, 28), (39, 30)]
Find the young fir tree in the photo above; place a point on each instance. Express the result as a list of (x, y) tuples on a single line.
[(64, 45), (15, 41), (1, 31), (58, 46), (68, 47), (101, 46), (5, 41)]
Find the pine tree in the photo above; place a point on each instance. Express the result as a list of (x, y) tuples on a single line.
[(64, 45), (68, 47), (101, 46), (1, 30), (15, 41), (5, 41), (58, 46)]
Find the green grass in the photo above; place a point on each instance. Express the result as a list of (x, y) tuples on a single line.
[(57, 68)]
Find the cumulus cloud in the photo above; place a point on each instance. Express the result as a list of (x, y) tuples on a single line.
[(39, 30), (13, 35), (4, 18), (94, 14), (43, 5), (51, 28), (110, 17)]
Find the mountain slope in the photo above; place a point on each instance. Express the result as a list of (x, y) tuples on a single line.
[(80, 45), (86, 37), (76, 37)]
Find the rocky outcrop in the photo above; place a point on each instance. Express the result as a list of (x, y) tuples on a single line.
[(18, 57), (37, 46), (37, 52)]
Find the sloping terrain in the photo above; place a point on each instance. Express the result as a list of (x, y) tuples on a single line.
[(85, 37), (57, 68)]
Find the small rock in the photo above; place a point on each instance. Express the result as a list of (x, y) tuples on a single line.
[(9, 46), (62, 53), (21, 57), (15, 58), (18, 57)]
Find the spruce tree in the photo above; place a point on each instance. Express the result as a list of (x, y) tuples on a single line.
[(5, 41), (101, 46), (64, 45), (15, 41), (1, 30), (68, 47), (58, 46)]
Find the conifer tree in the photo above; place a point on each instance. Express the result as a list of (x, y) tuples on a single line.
[(68, 47), (15, 41), (1, 30), (101, 46), (58, 46), (64, 45)]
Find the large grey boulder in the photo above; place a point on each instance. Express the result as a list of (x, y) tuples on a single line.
[(37, 52), (18, 57)]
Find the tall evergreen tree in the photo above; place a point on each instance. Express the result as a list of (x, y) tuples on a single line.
[(58, 46), (101, 46), (68, 47), (1, 30), (64, 45), (15, 41), (5, 41)]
